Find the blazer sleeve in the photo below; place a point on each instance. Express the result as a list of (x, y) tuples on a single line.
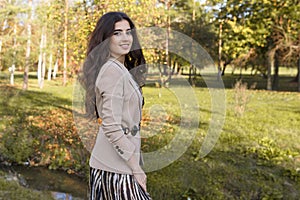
[(110, 86)]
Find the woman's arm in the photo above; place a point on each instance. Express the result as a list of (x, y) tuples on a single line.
[(110, 87)]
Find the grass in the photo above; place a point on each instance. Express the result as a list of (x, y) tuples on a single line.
[(257, 155)]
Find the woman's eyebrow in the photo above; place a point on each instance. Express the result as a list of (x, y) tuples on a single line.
[(121, 30)]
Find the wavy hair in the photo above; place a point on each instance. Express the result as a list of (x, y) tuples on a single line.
[(98, 53)]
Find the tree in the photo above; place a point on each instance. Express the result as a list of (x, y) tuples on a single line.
[(27, 57), (12, 26), (266, 25), (66, 23)]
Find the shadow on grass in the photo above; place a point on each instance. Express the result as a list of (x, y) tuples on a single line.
[(253, 82), (17, 100), (287, 108)]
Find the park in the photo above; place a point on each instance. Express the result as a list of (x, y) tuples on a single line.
[(252, 51)]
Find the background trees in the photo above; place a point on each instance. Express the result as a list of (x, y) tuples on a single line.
[(49, 37), (263, 34)]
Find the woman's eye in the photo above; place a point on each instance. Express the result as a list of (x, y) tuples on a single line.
[(128, 32), (117, 33)]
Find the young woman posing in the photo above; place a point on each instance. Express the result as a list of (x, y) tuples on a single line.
[(113, 77)]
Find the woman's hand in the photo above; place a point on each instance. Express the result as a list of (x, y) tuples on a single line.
[(141, 179), (137, 171)]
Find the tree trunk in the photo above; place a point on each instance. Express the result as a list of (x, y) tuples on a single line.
[(13, 66), (271, 54), (65, 42), (50, 66), (191, 80), (55, 68), (27, 56), (43, 72), (299, 75), (220, 71), (224, 68), (276, 73), (2, 28), (0, 54), (40, 63), (191, 74), (166, 67)]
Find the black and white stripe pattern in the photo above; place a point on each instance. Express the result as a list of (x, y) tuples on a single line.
[(113, 186)]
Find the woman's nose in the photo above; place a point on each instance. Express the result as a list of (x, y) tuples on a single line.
[(125, 36)]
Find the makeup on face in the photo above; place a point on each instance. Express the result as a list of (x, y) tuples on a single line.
[(121, 40)]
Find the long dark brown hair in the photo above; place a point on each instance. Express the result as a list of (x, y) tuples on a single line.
[(98, 53)]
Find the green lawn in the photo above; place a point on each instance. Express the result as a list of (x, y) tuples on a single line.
[(257, 155)]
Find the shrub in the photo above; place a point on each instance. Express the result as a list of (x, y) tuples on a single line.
[(17, 145), (241, 97)]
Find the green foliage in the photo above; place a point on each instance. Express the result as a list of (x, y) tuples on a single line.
[(267, 150), (17, 145), (262, 26)]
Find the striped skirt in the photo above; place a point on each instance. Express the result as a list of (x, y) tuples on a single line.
[(113, 186)]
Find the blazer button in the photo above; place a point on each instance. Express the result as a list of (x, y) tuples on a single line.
[(117, 147)]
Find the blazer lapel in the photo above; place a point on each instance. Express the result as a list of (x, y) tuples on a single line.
[(131, 80), (135, 86)]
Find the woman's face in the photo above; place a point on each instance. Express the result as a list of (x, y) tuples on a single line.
[(121, 41)]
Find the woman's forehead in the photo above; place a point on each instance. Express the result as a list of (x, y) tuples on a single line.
[(122, 25)]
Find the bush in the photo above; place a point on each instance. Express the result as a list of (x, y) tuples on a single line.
[(17, 144)]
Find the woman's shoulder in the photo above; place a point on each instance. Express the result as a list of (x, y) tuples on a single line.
[(111, 71), (113, 66)]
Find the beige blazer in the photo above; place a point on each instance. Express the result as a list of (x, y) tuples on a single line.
[(119, 105)]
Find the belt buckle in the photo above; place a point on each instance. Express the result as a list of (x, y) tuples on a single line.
[(126, 130), (134, 130)]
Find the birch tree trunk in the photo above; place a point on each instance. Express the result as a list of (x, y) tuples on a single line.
[(43, 62), (13, 66), (65, 42), (27, 57), (40, 71), (1, 43)]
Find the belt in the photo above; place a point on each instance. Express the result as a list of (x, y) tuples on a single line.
[(133, 131)]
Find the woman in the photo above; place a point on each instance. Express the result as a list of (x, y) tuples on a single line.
[(112, 78)]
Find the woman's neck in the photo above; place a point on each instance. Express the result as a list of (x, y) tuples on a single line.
[(121, 59)]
